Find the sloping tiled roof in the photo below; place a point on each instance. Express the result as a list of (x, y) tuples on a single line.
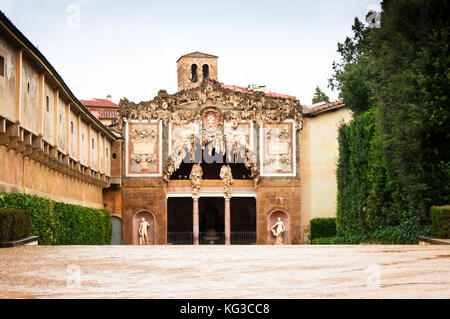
[(197, 54), (99, 103), (327, 107), (244, 90)]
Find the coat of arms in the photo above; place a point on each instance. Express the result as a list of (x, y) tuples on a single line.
[(210, 120)]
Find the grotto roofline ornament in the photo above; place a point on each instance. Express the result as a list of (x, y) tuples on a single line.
[(256, 106)]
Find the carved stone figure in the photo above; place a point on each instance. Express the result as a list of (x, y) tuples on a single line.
[(196, 179), (143, 232), (278, 232), (227, 179)]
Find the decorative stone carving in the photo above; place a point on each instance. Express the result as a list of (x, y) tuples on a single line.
[(255, 107), (196, 179), (183, 136), (221, 126), (278, 149), (227, 179), (143, 149), (212, 135), (278, 230)]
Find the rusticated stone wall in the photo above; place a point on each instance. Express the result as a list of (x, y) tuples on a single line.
[(276, 195), (144, 195)]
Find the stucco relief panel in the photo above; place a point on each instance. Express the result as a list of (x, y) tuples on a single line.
[(277, 149), (143, 148)]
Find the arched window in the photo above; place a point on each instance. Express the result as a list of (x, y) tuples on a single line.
[(205, 71), (194, 77)]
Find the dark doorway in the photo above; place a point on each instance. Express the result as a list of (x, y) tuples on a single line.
[(179, 221), (212, 220), (116, 234), (243, 220)]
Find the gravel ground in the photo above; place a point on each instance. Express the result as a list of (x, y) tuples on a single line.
[(225, 272)]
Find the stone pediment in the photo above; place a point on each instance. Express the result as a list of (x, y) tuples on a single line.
[(188, 105)]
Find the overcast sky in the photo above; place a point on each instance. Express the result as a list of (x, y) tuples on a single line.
[(129, 48)]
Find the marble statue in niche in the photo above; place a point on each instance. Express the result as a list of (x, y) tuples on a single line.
[(143, 232), (278, 230)]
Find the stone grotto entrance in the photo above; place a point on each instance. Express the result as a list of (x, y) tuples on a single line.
[(211, 221)]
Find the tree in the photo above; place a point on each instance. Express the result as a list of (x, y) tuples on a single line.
[(320, 96), (394, 157)]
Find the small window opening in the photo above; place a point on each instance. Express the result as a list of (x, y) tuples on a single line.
[(205, 71), (2, 66), (93, 143), (107, 152), (71, 127), (28, 87), (194, 77), (114, 156), (47, 99)]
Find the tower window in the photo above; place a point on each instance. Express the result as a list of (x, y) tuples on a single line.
[(47, 99), (93, 144), (205, 71), (2, 66), (194, 77), (71, 127)]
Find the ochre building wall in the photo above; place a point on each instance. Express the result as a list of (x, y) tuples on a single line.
[(20, 174), (41, 149), (319, 151)]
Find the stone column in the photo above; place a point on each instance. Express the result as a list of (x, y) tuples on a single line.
[(227, 222), (195, 221)]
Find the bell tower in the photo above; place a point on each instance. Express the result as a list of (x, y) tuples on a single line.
[(194, 67)]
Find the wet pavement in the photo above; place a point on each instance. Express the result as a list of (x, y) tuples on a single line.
[(225, 272)]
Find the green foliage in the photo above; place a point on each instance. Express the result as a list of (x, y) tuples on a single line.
[(394, 159), (406, 233), (62, 224), (320, 96), (14, 224), (323, 227), (440, 221)]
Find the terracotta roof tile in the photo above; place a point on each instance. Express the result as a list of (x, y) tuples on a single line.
[(244, 90), (99, 103), (197, 54), (323, 108)]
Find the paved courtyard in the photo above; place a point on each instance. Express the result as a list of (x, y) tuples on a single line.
[(225, 272)]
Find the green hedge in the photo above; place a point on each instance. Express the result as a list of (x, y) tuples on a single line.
[(323, 228), (62, 224), (14, 224), (406, 233), (440, 221)]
